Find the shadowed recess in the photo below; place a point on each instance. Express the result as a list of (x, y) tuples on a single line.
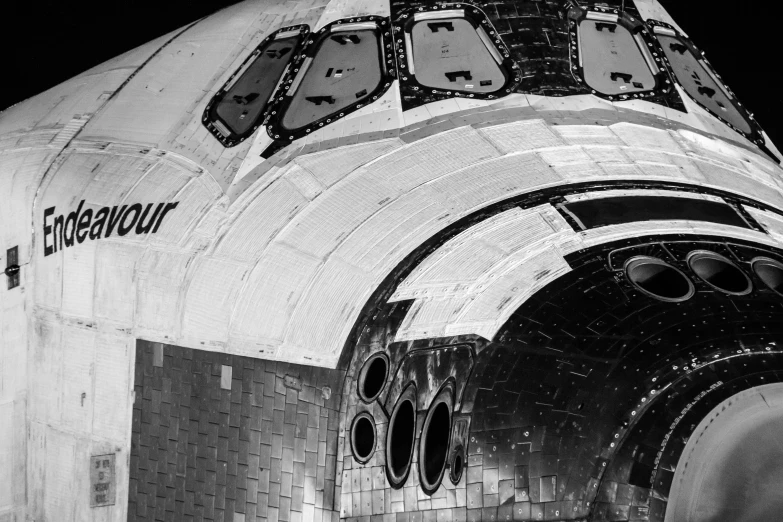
[(436, 442), (363, 437), (720, 273), (770, 272), (658, 279), (401, 437)]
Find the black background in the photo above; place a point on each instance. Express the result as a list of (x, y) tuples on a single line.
[(45, 43)]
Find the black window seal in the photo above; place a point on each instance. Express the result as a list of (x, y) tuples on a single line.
[(213, 122), (756, 135), (282, 100), (479, 20), (652, 52)]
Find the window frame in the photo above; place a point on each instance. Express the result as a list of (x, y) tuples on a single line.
[(647, 45), (403, 28), (213, 122), (756, 134), (299, 67)]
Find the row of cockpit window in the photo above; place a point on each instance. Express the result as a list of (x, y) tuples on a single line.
[(296, 82), (436, 452), (659, 279)]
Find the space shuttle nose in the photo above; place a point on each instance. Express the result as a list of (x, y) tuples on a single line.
[(393, 261)]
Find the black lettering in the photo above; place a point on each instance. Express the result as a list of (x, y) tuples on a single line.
[(97, 225), (114, 218), (58, 221), (70, 225), (47, 229), (141, 228), (124, 228), (169, 206), (84, 225)]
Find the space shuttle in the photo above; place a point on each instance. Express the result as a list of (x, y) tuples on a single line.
[(404, 261)]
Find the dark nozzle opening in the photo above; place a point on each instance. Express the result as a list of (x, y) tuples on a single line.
[(401, 438), (436, 442), (456, 468), (770, 272), (374, 378), (363, 437), (659, 279), (720, 273)]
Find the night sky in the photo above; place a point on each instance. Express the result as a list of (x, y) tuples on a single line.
[(46, 43)]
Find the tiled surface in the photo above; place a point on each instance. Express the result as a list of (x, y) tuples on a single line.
[(261, 447), (565, 423)]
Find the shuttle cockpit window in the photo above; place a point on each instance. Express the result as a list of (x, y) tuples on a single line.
[(454, 51), (238, 108), (614, 54), (344, 67), (449, 53), (613, 60), (698, 79)]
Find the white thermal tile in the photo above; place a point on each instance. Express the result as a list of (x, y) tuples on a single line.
[(154, 101), (482, 252), (13, 350), (159, 277), (48, 279), (661, 171), (564, 155), (66, 188), (78, 362), (610, 233), (587, 135), (335, 297), (192, 201), (161, 182), (115, 292), (45, 372), (645, 137), (331, 166), (737, 182), (112, 403), (428, 318), (339, 9), (260, 221), (273, 288), (393, 232), (605, 153), (772, 222), (304, 181), (649, 155), (495, 303), (79, 279), (114, 176), (518, 229), (522, 136), (579, 171), (622, 170), (430, 158), (478, 186), (7, 450), (459, 267), (21, 171), (330, 218), (60, 471), (210, 298)]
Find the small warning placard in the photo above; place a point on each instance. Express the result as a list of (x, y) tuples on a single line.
[(102, 480)]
